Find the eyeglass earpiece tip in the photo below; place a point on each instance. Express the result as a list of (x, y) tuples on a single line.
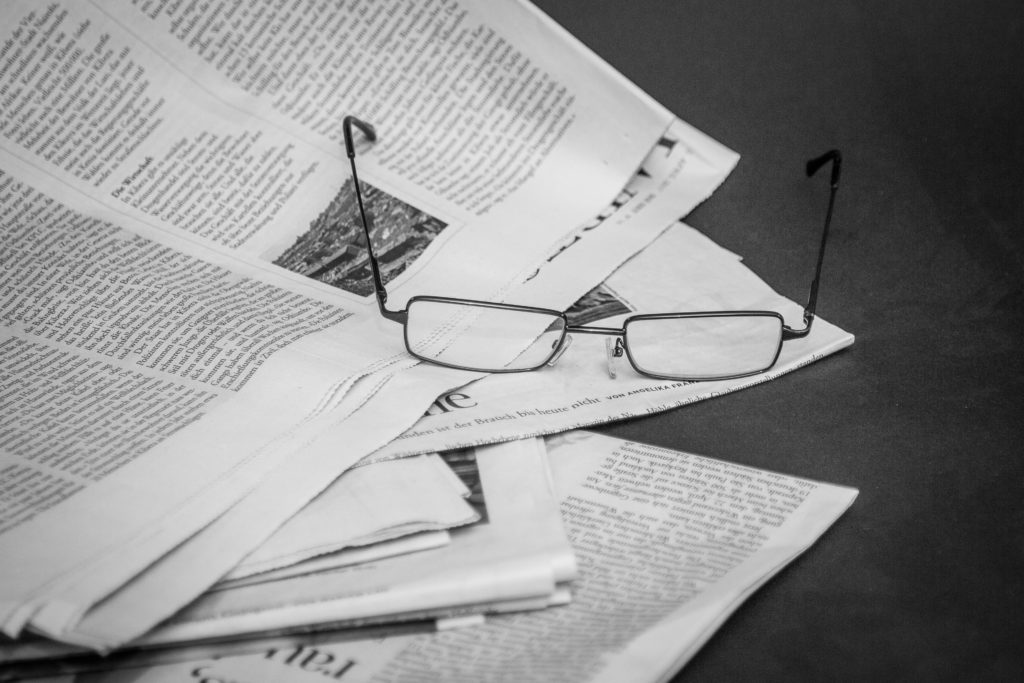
[(346, 129), (834, 156)]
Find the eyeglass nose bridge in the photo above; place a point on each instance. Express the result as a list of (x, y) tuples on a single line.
[(614, 349)]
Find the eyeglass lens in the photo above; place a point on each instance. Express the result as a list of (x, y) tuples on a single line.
[(704, 347), (477, 337)]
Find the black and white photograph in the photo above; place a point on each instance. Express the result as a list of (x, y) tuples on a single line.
[(227, 455), (599, 303), (333, 249)]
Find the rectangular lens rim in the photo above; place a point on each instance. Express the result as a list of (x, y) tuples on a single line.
[(485, 304), (701, 314)]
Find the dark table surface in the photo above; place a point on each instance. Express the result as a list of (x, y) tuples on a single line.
[(922, 578)]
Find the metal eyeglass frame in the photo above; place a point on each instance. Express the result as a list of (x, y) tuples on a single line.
[(621, 342)]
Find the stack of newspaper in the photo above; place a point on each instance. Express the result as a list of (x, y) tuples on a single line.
[(212, 439)]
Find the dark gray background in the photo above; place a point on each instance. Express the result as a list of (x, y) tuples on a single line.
[(921, 579)]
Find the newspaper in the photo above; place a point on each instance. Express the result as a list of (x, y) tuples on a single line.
[(157, 200), (665, 169), (518, 550), (669, 545), (682, 271), (514, 558)]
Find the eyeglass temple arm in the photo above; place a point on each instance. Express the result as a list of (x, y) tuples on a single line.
[(836, 159), (350, 149)]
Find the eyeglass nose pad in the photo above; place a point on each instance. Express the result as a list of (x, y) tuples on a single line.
[(565, 343), (613, 350)]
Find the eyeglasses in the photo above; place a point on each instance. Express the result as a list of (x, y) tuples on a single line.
[(495, 337)]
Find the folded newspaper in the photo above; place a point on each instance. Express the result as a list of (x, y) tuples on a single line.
[(515, 556), (668, 546)]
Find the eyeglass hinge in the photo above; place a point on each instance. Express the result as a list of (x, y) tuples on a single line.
[(790, 333)]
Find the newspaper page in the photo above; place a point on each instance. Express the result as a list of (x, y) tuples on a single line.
[(221, 121), (669, 544), (682, 271), (515, 557), (482, 109), (101, 113)]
